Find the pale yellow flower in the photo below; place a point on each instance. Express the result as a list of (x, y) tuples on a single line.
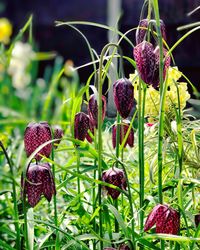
[(5, 30)]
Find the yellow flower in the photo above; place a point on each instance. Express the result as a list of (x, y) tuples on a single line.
[(5, 30), (173, 75)]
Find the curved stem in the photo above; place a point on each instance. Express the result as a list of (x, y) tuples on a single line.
[(14, 194)]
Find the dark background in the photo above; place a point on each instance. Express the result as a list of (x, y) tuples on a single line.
[(70, 45)]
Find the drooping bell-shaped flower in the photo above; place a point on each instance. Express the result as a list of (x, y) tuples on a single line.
[(166, 219), (57, 134), (145, 60), (141, 31), (123, 96), (35, 135), (81, 126), (116, 177), (123, 131), (39, 181), (197, 219), (93, 109)]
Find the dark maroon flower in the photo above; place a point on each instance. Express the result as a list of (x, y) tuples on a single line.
[(58, 134), (147, 61), (141, 31), (197, 219), (123, 131), (39, 180), (81, 126), (124, 247), (116, 177), (35, 135), (93, 109), (167, 220), (123, 96)]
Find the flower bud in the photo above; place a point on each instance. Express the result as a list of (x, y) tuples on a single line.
[(81, 126), (58, 134), (123, 96), (93, 109), (35, 135)]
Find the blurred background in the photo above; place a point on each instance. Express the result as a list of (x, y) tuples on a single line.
[(70, 45)]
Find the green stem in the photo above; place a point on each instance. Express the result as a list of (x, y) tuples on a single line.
[(25, 220), (131, 208), (141, 113), (14, 194), (55, 207), (94, 191), (78, 171)]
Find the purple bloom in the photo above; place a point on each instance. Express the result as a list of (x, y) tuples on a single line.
[(123, 96), (167, 220), (35, 135), (39, 181), (93, 109), (81, 126), (116, 177), (58, 134)]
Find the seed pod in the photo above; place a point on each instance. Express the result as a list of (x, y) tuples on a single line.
[(35, 135), (39, 180), (167, 220), (141, 31), (81, 126), (145, 60), (116, 177), (123, 96), (197, 219), (93, 109), (123, 131), (58, 134)]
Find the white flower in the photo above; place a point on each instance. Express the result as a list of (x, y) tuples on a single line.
[(22, 54)]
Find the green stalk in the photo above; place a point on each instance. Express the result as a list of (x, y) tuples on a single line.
[(94, 191), (25, 219), (131, 208), (141, 112), (14, 194), (55, 207), (117, 156)]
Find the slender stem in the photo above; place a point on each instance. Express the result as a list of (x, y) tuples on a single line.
[(141, 112), (14, 194), (100, 143), (25, 220), (78, 171), (94, 191), (131, 208), (55, 206)]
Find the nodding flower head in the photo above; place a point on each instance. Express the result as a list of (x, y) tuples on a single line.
[(123, 131), (147, 60), (57, 134), (81, 126), (116, 177), (93, 109), (141, 31), (166, 219), (35, 135), (124, 247), (91, 129), (39, 181), (123, 96)]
